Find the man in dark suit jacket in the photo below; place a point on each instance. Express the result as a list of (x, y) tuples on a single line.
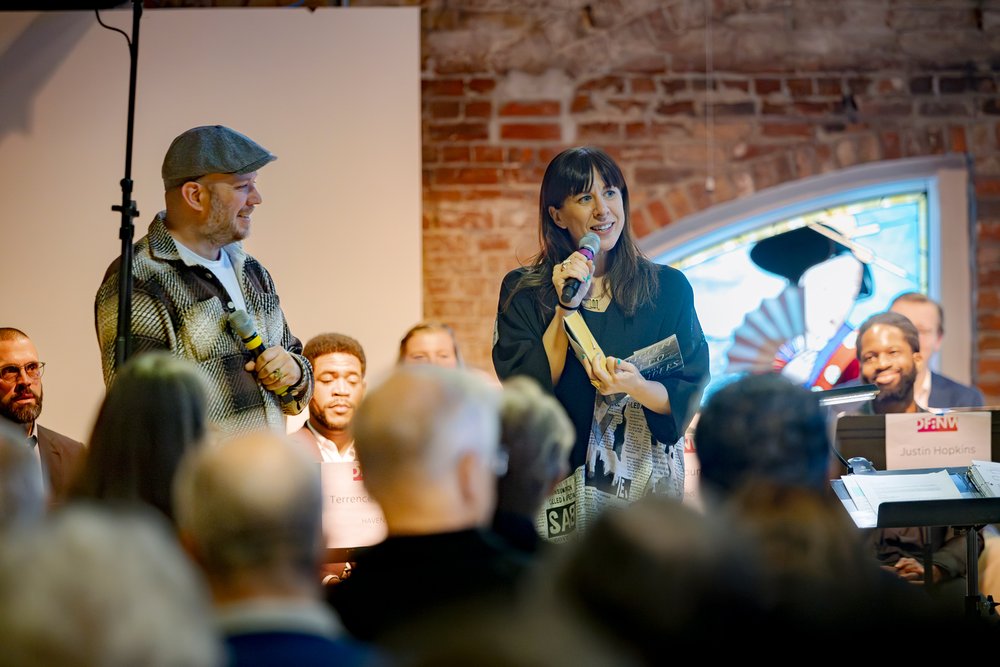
[(946, 393), (933, 390), (21, 404)]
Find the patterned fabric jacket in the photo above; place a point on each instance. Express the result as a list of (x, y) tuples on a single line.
[(185, 309)]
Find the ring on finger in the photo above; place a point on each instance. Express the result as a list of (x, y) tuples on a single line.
[(277, 374), (564, 264)]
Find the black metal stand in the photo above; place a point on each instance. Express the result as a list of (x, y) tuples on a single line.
[(123, 341), (976, 604)]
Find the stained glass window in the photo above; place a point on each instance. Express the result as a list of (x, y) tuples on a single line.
[(789, 293)]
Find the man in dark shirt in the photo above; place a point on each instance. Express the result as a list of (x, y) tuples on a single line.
[(889, 352), (428, 441)]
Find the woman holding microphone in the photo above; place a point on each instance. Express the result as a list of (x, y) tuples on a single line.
[(628, 303)]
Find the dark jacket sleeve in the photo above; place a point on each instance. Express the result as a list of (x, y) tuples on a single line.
[(685, 387), (952, 555), (517, 337)]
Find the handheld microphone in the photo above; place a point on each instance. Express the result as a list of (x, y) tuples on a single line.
[(589, 246), (243, 326)]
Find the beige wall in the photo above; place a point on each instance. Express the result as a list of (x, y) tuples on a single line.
[(335, 93)]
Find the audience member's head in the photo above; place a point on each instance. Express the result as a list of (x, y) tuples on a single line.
[(249, 510), (20, 378), (22, 494), (153, 413), (654, 576), (528, 636), (430, 343), (811, 552), (889, 352), (339, 367), (427, 438), (763, 427), (91, 586), (537, 436)]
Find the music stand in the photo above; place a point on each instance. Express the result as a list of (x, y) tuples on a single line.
[(968, 513)]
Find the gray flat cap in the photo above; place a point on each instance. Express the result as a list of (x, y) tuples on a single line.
[(211, 149)]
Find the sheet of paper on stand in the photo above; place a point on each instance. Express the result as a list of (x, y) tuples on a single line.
[(870, 491)]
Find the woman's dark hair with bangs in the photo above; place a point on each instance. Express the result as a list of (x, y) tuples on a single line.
[(632, 276)]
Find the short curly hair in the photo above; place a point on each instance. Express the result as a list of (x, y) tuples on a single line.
[(891, 319), (328, 343)]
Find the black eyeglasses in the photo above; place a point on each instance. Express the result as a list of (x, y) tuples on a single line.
[(12, 373)]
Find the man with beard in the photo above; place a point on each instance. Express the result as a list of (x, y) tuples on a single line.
[(339, 367), (338, 363), (889, 353), (21, 404), (190, 274)]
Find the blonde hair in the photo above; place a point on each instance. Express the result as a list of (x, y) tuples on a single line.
[(424, 327)]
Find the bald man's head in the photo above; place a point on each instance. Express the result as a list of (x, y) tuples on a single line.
[(252, 502), (420, 419), (427, 438)]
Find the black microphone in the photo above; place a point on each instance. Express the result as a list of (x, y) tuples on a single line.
[(243, 326), (589, 246)]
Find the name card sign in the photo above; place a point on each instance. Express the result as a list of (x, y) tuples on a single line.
[(927, 440), (351, 518)]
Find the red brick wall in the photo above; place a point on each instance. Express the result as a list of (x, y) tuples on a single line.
[(795, 91)]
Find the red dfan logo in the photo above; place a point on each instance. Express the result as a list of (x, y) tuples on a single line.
[(942, 423), (356, 470)]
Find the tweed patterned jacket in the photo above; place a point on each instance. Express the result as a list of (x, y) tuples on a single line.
[(185, 309)]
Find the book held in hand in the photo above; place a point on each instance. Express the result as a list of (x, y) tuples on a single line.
[(581, 340)]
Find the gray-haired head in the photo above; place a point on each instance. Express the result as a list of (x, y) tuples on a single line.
[(251, 504), (91, 586), (427, 438)]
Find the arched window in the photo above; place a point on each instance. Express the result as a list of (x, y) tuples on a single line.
[(783, 278)]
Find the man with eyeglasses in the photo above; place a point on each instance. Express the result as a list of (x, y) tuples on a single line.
[(21, 403), (931, 389), (191, 274)]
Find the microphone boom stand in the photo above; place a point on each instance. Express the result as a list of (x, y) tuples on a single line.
[(123, 341)]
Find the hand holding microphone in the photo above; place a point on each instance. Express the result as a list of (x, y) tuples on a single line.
[(588, 246), (270, 363)]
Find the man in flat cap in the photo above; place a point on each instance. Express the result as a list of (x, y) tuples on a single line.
[(190, 274)]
